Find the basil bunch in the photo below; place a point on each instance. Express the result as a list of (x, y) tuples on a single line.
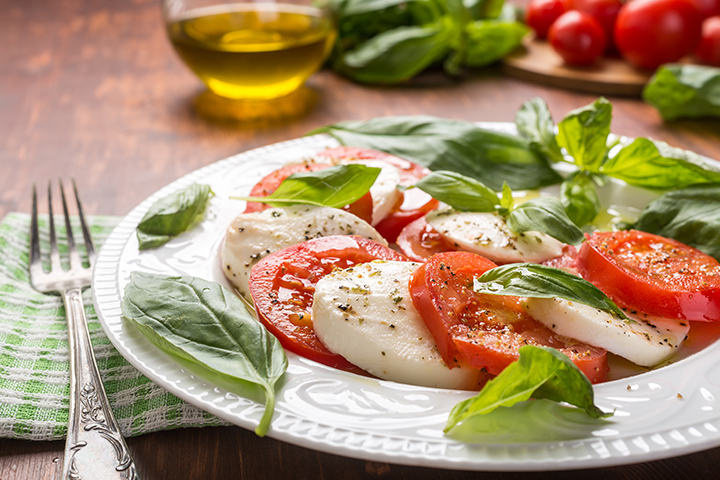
[(391, 41), (684, 91)]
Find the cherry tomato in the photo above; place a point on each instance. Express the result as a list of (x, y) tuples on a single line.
[(578, 38), (541, 14), (652, 274), (708, 8), (486, 331), (649, 33), (419, 241), (709, 50), (283, 283), (604, 11)]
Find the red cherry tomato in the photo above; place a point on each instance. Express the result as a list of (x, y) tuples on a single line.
[(709, 50), (485, 330), (283, 283), (649, 33), (419, 241), (652, 274), (708, 8), (541, 14), (604, 11), (578, 38)]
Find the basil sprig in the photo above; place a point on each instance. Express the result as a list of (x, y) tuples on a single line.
[(172, 215), (540, 373), (684, 91), (206, 324), (539, 281), (331, 187)]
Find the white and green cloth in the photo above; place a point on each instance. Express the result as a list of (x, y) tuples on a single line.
[(34, 375)]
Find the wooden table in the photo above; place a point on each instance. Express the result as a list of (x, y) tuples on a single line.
[(92, 89)]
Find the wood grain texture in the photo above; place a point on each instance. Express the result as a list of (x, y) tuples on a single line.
[(92, 89)]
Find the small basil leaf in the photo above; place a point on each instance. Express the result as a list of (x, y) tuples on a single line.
[(460, 192), (690, 215), (580, 198), (442, 144), (538, 281), (584, 133), (535, 123), (545, 215), (540, 372), (684, 91), (642, 163), (332, 187), (172, 215), (204, 323), (490, 40), (507, 200)]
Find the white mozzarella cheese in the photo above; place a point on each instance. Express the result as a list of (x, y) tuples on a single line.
[(384, 191), (488, 235), (252, 236), (365, 313), (644, 342)]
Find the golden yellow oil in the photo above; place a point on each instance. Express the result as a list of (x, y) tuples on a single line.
[(253, 51)]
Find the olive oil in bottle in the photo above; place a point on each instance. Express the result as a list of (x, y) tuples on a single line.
[(253, 51)]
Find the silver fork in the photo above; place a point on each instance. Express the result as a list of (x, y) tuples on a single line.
[(95, 448)]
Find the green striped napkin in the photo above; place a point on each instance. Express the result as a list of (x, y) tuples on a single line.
[(34, 380)]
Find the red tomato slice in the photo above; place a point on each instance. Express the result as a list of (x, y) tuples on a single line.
[(283, 283), (409, 172), (485, 330), (652, 274), (419, 241)]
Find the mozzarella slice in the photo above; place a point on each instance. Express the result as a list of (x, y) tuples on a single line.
[(252, 236), (365, 313), (488, 235), (643, 343), (384, 191)]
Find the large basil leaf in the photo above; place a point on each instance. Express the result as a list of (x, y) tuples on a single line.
[(332, 187), (584, 132), (546, 215), (442, 144), (204, 323), (460, 192), (642, 163), (484, 9), (690, 215), (580, 198), (172, 215), (538, 281), (540, 372), (535, 123), (491, 40), (684, 91)]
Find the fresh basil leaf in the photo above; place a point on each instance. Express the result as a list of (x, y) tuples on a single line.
[(331, 187), (690, 215), (359, 7), (491, 40), (484, 9), (584, 133), (642, 163), (535, 123), (442, 144), (172, 215), (684, 91), (506, 201), (540, 372), (460, 192), (580, 198), (204, 323), (545, 215), (538, 281)]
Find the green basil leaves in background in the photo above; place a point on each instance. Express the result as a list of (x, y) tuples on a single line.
[(172, 215), (684, 91), (204, 323), (331, 187), (541, 373)]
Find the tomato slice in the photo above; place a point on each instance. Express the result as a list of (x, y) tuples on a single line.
[(419, 241), (652, 274), (485, 330), (283, 283), (410, 172)]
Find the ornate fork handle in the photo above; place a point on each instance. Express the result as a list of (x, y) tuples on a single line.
[(95, 448)]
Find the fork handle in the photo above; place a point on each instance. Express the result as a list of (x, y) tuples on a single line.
[(95, 448)]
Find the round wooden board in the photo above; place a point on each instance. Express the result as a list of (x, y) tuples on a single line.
[(537, 62)]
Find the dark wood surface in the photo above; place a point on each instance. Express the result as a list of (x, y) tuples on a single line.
[(92, 89)]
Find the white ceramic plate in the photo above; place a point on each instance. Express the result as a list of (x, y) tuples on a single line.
[(666, 412)]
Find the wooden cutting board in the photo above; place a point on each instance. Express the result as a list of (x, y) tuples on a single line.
[(537, 62)]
